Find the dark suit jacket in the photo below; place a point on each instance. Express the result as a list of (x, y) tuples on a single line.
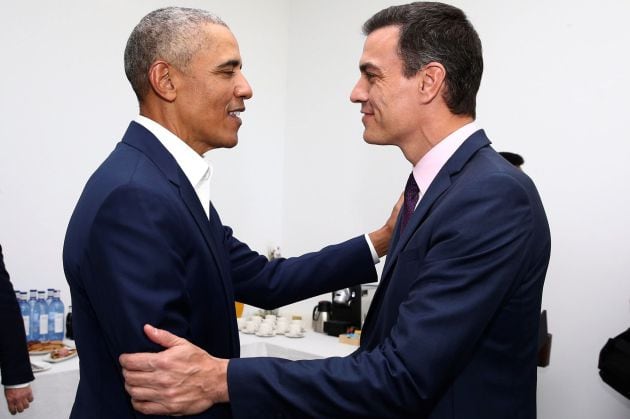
[(451, 332), (14, 361), (139, 249)]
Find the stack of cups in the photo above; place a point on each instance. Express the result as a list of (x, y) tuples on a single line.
[(270, 325)]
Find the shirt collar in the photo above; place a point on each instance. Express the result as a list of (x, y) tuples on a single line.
[(196, 169), (431, 163)]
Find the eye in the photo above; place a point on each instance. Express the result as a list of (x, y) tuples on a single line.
[(369, 76)]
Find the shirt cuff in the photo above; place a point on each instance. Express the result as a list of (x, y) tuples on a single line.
[(18, 385), (375, 257)]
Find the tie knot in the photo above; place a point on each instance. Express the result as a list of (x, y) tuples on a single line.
[(411, 189), (412, 193)]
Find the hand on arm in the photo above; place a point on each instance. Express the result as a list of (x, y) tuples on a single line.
[(381, 237), (18, 399), (182, 380)]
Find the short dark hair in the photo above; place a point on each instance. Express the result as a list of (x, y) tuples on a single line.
[(169, 33), (437, 32), (516, 159)]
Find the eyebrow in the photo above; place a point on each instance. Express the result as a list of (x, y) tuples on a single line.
[(368, 66), (230, 64)]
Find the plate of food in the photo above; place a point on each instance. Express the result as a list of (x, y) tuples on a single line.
[(61, 354), (42, 348), (38, 366)]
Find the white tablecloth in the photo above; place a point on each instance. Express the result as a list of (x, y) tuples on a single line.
[(54, 390)]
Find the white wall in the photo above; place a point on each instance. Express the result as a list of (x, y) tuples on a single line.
[(66, 103), (555, 90)]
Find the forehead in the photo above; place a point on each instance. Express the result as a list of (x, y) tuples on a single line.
[(220, 43), (381, 47)]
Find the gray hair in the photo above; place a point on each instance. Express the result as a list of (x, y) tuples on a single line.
[(171, 34)]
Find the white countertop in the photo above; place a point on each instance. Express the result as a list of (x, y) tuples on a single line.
[(312, 346)]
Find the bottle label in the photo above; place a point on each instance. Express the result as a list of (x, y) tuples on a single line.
[(43, 324), (58, 322), (27, 324)]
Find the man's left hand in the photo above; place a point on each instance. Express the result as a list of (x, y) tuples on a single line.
[(18, 399), (182, 380), (380, 238)]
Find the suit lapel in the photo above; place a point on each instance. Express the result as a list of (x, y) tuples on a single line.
[(142, 139), (438, 187)]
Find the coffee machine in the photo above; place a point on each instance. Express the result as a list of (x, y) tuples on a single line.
[(346, 311)]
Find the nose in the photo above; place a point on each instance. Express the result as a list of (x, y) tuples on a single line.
[(359, 93), (243, 89)]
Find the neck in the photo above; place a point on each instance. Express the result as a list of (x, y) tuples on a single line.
[(432, 133), (164, 115)]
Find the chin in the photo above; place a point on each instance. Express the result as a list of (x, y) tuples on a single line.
[(374, 139), (231, 143)]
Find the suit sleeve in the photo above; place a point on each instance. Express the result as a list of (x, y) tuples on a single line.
[(284, 281), (14, 361), (266, 284), (134, 259), (458, 278)]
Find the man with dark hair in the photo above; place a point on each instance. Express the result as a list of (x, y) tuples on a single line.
[(451, 332), (145, 244)]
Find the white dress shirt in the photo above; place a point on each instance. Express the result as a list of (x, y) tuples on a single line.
[(196, 169)]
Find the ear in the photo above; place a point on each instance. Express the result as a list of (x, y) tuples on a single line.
[(160, 74), (432, 81)]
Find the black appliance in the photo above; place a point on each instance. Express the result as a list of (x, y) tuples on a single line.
[(346, 311)]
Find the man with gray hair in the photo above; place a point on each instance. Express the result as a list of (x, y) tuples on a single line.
[(145, 244), (452, 329)]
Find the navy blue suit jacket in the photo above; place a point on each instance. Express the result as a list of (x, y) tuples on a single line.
[(140, 249), (452, 330)]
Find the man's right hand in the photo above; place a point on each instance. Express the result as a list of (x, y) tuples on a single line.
[(181, 380)]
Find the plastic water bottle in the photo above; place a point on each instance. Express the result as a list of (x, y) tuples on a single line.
[(32, 298), (49, 297), (33, 309), (26, 312), (43, 315), (50, 308), (58, 311)]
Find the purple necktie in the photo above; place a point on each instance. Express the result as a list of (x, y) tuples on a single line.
[(412, 192)]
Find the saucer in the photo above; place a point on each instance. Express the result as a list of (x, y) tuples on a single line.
[(246, 332), (37, 366), (297, 335), (265, 335)]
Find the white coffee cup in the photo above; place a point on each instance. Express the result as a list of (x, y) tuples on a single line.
[(271, 317), (295, 329), (281, 327), (240, 322), (269, 321), (266, 328), (257, 319), (251, 326)]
